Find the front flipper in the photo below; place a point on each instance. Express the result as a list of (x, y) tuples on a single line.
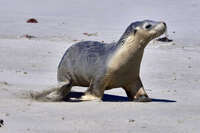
[(136, 92)]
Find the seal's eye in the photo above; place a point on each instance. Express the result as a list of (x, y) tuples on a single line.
[(148, 26)]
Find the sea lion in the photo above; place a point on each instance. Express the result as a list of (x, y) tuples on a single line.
[(100, 66)]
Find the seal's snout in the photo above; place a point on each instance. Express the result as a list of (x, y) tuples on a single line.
[(161, 27), (158, 29)]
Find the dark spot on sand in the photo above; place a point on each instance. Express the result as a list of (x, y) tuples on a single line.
[(4, 83), (90, 34), (131, 121), (1, 122), (29, 36), (32, 20), (164, 39), (25, 72)]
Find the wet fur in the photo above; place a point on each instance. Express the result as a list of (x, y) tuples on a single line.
[(100, 66)]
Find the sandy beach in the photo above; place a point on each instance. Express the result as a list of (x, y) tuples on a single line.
[(169, 71)]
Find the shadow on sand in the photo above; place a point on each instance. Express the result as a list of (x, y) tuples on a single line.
[(111, 98)]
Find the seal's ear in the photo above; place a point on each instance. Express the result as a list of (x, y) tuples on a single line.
[(134, 31)]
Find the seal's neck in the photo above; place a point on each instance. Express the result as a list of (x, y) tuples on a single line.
[(132, 44), (129, 53)]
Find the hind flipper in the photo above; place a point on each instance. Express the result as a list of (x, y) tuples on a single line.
[(57, 93)]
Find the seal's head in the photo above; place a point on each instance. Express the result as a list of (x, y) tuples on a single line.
[(144, 31)]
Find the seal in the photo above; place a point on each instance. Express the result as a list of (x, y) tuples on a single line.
[(100, 66)]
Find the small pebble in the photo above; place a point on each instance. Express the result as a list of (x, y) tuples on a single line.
[(90, 34), (25, 72), (1, 122), (32, 20), (164, 39), (4, 83), (131, 121), (173, 43), (29, 36)]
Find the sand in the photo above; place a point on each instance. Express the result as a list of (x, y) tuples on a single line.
[(169, 71)]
